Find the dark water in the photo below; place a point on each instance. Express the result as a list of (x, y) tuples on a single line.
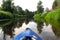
[(11, 28)]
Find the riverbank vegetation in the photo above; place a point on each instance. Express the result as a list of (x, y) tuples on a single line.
[(10, 10), (5, 15), (53, 18), (50, 17), (17, 16)]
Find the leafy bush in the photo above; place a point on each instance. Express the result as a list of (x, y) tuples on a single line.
[(40, 17), (53, 18), (37, 17), (53, 15)]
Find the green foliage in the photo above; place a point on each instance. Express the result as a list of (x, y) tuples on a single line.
[(53, 18), (20, 11), (43, 17), (53, 15), (28, 14), (55, 4), (37, 17), (5, 15), (7, 6), (40, 8), (40, 17), (58, 3)]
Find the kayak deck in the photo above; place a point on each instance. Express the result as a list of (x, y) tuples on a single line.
[(28, 34)]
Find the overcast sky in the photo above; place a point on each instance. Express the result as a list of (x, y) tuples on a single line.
[(0, 2), (32, 4)]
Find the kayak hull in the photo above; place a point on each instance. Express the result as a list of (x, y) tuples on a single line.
[(28, 32)]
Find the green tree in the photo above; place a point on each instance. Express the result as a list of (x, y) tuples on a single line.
[(27, 13), (20, 10), (7, 6), (55, 4), (40, 8)]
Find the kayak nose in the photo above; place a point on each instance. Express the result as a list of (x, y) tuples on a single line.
[(27, 28), (28, 34)]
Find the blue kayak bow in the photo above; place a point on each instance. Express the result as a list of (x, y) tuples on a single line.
[(27, 33)]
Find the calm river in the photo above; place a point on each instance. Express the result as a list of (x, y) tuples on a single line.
[(46, 31)]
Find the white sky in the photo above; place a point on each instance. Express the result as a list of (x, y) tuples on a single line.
[(32, 4), (0, 2), (47, 3)]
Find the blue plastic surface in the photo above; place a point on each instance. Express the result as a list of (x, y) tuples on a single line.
[(27, 32)]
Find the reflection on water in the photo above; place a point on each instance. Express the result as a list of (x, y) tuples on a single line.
[(1, 34), (46, 33), (32, 25)]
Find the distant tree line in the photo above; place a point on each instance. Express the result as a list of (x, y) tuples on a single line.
[(9, 6)]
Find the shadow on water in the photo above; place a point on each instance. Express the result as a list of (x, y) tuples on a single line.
[(55, 26), (9, 25)]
